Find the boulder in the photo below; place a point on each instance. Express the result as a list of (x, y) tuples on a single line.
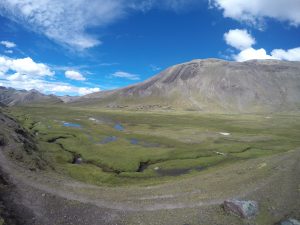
[(77, 160), (289, 222), (243, 209)]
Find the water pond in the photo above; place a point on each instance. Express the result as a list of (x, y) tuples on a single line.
[(75, 125), (119, 127), (109, 140)]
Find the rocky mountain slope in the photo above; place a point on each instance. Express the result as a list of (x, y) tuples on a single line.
[(211, 85), (11, 97)]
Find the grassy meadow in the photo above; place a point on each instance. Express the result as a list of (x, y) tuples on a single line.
[(134, 147)]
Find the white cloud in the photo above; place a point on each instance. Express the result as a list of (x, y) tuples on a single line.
[(251, 53), (254, 11), (279, 54), (289, 55), (65, 21), (155, 68), (8, 44), (239, 39), (27, 74), (9, 51), (85, 91), (129, 76), (68, 21), (74, 75), (243, 41), (58, 88), (24, 66), (175, 5)]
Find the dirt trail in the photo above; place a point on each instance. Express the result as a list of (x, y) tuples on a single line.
[(42, 192)]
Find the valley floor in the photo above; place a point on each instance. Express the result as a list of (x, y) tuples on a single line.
[(254, 157)]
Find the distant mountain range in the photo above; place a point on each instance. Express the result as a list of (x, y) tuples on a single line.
[(209, 85), (12, 97)]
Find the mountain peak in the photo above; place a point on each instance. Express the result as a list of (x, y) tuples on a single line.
[(212, 85)]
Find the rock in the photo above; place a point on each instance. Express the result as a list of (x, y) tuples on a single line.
[(243, 209), (289, 222), (77, 160), (220, 153)]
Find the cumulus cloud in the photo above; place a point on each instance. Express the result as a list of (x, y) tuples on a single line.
[(279, 54), (27, 74), (243, 41), (67, 22), (74, 75), (239, 39), (255, 11), (129, 76), (85, 91), (24, 66), (8, 44), (289, 55), (251, 53)]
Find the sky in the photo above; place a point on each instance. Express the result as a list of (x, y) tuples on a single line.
[(77, 47)]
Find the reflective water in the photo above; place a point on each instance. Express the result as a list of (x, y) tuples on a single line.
[(76, 125)]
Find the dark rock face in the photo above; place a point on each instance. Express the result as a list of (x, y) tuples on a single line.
[(243, 209), (213, 85), (289, 222)]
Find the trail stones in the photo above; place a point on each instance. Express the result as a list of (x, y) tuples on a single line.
[(243, 209), (289, 222)]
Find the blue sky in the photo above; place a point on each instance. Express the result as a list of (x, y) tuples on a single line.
[(74, 47)]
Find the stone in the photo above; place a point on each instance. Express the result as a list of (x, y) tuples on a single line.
[(77, 160), (289, 222), (243, 209)]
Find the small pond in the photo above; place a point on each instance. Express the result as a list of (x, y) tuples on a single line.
[(119, 127), (75, 125), (178, 171), (109, 140)]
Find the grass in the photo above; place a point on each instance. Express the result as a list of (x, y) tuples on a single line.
[(166, 140)]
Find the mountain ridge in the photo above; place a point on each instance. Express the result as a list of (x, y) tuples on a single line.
[(13, 97), (211, 85)]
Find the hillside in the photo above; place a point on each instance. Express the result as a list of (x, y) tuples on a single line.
[(211, 85), (11, 97)]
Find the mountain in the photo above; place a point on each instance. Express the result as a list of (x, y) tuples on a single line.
[(68, 98), (11, 97), (211, 85)]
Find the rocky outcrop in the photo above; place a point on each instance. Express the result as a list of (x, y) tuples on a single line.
[(19, 144), (243, 209)]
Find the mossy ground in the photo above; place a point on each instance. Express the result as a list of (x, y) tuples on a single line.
[(165, 141)]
